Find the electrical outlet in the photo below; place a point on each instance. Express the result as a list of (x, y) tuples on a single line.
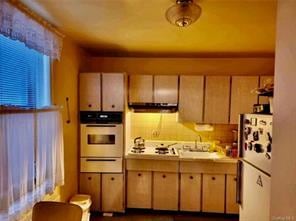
[(155, 133)]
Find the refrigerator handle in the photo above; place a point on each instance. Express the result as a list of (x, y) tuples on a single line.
[(239, 182), (240, 135)]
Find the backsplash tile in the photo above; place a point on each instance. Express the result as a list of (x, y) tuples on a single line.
[(156, 126)]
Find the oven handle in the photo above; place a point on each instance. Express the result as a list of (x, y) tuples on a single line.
[(103, 125), (100, 159)]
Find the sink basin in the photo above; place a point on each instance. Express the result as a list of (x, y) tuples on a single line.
[(199, 155)]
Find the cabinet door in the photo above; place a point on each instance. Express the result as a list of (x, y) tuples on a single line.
[(213, 193), (165, 191), (217, 98), (191, 97), (166, 89), (242, 100), (140, 88), (190, 192), (263, 81), (231, 205), (113, 91), (90, 91), (90, 183), (112, 193), (139, 189)]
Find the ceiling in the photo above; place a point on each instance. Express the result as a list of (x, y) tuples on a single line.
[(139, 27)]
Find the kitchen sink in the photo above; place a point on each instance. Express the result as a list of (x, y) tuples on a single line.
[(199, 155)]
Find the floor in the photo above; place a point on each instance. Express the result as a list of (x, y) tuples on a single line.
[(135, 215)]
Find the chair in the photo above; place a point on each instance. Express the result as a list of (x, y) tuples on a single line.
[(56, 211)]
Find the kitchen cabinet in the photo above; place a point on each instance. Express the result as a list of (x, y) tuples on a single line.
[(139, 189), (263, 81), (112, 92), (217, 96), (90, 183), (242, 98), (165, 191), (90, 91), (140, 88), (213, 193), (112, 193), (191, 99), (190, 192), (231, 205), (157, 89), (166, 89), (101, 91)]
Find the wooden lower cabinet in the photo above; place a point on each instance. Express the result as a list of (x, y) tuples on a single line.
[(90, 183), (165, 191), (231, 205), (213, 192), (112, 193), (190, 192), (139, 189)]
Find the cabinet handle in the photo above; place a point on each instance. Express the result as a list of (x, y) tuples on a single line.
[(163, 176), (112, 105), (112, 178), (89, 105), (191, 177), (139, 174), (213, 178), (89, 178), (235, 179)]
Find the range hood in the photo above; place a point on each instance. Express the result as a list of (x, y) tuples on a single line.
[(153, 107)]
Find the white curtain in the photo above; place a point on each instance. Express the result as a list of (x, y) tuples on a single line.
[(17, 25), (25, 139)]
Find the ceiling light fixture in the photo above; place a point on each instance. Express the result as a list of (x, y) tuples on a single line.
[(183, 13)]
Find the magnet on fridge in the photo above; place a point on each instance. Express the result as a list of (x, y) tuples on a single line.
[(254, 121)]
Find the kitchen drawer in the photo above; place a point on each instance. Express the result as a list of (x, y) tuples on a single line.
[(153, 165), (207, 167), (101, 165)]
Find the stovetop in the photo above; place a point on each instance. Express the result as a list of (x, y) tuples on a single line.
[(155, 149)]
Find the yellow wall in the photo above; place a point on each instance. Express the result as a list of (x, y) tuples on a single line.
[(65, 84), (203, 66), (168, 127)]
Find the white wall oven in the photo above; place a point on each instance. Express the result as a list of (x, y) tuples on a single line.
[(101, 141)]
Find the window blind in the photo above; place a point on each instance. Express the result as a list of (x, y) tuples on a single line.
[(24, 76)]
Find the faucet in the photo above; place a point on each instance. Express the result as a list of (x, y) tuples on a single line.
[(200, 138)]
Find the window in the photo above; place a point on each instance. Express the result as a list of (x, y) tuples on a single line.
[(24, 76), (31, 141)]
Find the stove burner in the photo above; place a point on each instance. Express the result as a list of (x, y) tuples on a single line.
[(162, 150), (137, 151)]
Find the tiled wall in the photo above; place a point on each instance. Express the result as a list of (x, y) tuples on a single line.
[(155, 126)]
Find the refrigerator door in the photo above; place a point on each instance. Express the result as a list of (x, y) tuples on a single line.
[(255, 140), (255, 196)]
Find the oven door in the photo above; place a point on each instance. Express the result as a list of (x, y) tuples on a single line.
[(101, 140)]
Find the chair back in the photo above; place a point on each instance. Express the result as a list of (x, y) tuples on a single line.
[(56, 211)]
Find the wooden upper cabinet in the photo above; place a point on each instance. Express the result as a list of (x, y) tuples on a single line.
[(217, 92), (263, 81), (90, 91), (191, 99), (113, 91), (141, 88), (242, 98), (166, 89)]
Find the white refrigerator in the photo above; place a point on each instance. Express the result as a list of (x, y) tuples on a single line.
[(254, 167)]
